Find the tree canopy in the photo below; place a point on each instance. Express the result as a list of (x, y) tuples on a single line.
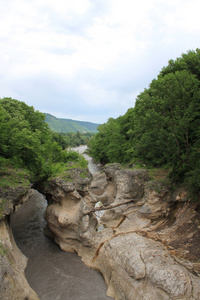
[(27, 142), (163, 129)]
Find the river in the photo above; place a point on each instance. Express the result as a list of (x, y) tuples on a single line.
[(51, 272), (91, 165)]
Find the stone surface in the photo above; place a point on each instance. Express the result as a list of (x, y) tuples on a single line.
[(13, 284), (65, 215), (129, 185), (139, 268), (12, 197), (157, 197), (141, 218), (98, 183)]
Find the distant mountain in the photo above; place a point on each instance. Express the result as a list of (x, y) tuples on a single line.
[(68, 125)]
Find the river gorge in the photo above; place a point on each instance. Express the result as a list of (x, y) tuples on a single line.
[(145, 242), (52, 273)]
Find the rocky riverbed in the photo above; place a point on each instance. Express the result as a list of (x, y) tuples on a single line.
[(136, 248)]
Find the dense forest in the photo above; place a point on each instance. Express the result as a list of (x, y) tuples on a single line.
[(74, 139), (163, 129), (28, 143)]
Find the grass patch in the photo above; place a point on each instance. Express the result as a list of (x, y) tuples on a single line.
[(73, 161), (11, 177), (13, 183), (2, 250), (158, 173), (84, 174)]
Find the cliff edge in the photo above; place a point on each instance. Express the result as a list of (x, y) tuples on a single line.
[(14, 190)]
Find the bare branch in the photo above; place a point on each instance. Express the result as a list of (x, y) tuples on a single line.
[(106, 207), (112, 206)]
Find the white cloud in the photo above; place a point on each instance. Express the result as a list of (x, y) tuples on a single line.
[(64, 7), (97, 53)]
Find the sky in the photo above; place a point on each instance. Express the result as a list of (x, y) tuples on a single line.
[(88, 60)]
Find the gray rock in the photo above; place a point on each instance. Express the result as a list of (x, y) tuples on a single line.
[(134, 266), (13, 284), (138, 268)]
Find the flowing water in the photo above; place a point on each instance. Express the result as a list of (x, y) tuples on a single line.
[(91, 166), (51, 272)]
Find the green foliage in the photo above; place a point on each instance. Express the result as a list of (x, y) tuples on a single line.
[(108, 145), (73, 139), (189, 61), (11, 177), (13, 182), (59, 138), (28, 143), (163, 129), (70, 160), (166, 116), (67, 125)]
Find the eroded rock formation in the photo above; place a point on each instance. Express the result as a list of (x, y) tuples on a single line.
[(13, 284), (139, 243)]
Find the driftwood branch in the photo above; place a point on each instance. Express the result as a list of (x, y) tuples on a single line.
[(130, 212), (134, 205), (112, 206), (106, 207)]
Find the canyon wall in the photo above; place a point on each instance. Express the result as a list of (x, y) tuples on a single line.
[(140, 235), (13, 284)]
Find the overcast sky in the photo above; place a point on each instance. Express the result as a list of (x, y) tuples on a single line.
[(88, 59)]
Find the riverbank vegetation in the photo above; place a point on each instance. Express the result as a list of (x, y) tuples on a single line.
[(163, 129), (28, 143), (75, 139)]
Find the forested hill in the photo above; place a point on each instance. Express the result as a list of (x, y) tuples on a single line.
[(68, 125)]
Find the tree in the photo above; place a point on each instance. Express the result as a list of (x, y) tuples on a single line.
[(109, 144), (166, 115), (26, 139), (164, 126), (189, 61)]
